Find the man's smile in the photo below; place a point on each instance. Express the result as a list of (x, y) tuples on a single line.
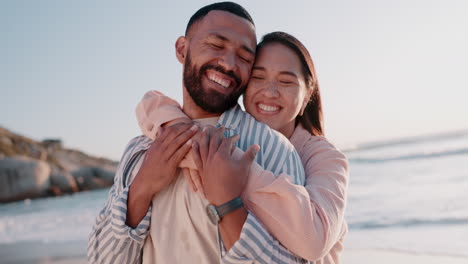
[(220, 79)]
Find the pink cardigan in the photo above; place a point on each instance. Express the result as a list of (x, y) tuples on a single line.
[(308, 220)]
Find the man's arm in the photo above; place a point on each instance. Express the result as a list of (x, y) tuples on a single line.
[(123, 224), (255, 243), (223, 178), (109, 231)]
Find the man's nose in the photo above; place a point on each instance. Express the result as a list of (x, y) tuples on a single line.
[(228, 61)]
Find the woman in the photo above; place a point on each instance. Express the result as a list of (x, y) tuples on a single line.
[(283, 92)]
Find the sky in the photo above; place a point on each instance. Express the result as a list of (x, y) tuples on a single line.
[(75, 70)]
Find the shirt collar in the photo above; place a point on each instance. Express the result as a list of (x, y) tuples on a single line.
[(232, 117)]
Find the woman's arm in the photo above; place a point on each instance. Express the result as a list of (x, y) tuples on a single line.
[(156, 110), (307, 219)]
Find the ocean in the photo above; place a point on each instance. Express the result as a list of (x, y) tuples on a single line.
[(408, 195)]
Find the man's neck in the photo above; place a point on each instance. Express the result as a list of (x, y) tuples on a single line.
[(192, 110)]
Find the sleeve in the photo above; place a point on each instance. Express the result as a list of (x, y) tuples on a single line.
[(154, 110), (111, 239), (308, 220), (256, 243)]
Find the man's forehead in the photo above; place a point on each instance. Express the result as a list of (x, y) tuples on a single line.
[(232, 27)]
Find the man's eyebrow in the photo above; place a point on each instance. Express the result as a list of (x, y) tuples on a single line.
[(218, 36), (223, 38)]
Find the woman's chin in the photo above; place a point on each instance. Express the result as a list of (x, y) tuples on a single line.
[(271, 123)]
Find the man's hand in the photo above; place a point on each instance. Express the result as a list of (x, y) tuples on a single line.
[(158, 169), (223, 177)]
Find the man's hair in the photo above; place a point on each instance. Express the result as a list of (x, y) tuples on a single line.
[(230, 7)]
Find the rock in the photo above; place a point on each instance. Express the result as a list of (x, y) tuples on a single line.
[(105, 174), (36, 151), (52, 144), (48, 168), (5, 141), (22, 177), (89, 178), (62, 182)]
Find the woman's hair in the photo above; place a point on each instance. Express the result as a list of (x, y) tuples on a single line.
[(312, 119)]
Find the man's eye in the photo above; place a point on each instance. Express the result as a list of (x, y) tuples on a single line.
[(286, 82), (216, 46)]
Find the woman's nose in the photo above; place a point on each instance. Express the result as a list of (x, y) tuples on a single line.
[(271, 89)]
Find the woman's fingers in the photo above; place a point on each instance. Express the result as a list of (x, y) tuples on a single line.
[(197, 156), (249, 156), (197, 181), (169, 133), (203, 144), (180, 141), (180, 153), (227, 146), (216, 137)]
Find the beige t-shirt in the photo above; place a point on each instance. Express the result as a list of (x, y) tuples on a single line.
[(180, 230)]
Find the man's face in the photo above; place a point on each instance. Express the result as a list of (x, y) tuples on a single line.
[(218, 61)]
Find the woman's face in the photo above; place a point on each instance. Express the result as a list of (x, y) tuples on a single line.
[(277, 91)]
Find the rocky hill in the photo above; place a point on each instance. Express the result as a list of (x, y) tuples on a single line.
[(31, 169)]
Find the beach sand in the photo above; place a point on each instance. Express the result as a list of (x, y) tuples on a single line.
[(74, 253), (377, 256), (43, 253)]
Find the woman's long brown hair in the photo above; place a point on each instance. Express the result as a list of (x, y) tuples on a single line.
[(312, 118)]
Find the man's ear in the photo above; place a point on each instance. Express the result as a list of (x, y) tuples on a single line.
[(181, 49)]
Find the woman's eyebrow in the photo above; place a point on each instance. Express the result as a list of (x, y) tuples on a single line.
[(289, 73), (261, 68)]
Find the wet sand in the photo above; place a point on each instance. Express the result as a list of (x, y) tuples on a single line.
[(75, 253)]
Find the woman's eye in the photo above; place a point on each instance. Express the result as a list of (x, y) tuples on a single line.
[(244, 59), (257, 77)]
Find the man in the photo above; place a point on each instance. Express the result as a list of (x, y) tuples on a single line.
[(151, 214)]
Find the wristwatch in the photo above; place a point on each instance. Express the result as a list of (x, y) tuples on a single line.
[(215, 213)]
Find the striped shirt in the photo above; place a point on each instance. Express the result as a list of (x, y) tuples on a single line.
[(112, 241)]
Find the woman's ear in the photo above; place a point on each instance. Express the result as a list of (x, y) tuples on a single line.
[(306, 101), (181, 49)]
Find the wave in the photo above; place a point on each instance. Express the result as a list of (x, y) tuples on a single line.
[(408, 223), (461, 151), (408, 141)]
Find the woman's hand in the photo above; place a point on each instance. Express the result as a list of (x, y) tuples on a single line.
[(222, 177), (158, 169), (163, 157)]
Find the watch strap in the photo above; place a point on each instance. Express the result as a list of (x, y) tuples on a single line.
[(230, 206)]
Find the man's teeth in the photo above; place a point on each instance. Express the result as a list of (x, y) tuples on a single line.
[(222, 82), (268, 108)]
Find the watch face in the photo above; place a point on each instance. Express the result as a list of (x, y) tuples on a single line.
[(212, 214)]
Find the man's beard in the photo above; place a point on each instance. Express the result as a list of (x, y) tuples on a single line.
[(207, 99)]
